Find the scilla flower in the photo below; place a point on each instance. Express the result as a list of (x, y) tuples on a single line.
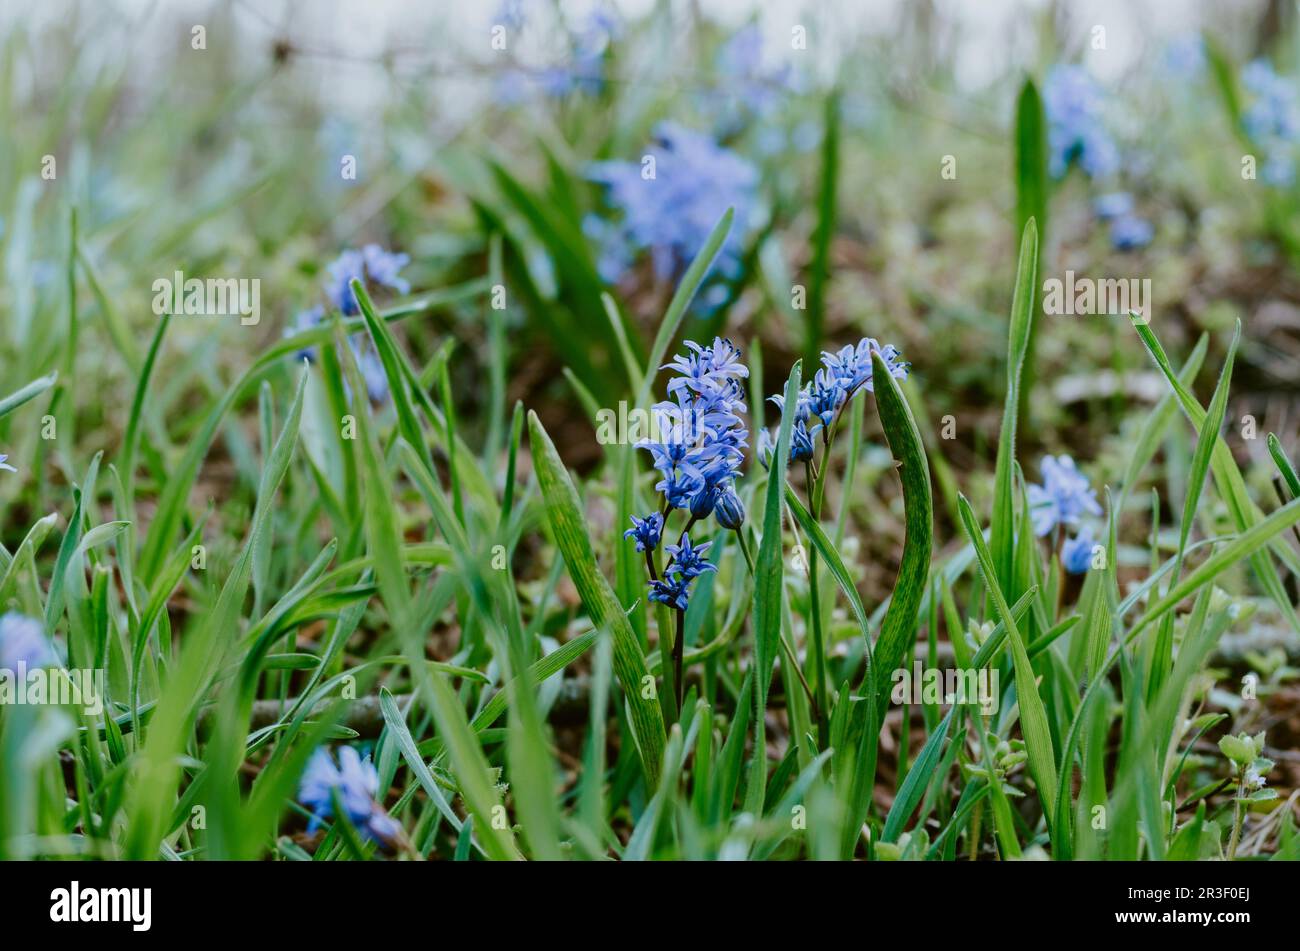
[(730, 511), (672, 214), (1076, 133), (357, 782), (688, 561), (841, 375), (23, 641), (646, 531), (1076, 554), (1063, 498), (4, 465), (372, 264)]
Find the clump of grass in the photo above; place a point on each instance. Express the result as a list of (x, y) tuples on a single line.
[(387, 533)]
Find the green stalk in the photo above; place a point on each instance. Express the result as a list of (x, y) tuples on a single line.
[(816, 656)]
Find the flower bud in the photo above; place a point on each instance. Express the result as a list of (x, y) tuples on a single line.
[(730, 511)]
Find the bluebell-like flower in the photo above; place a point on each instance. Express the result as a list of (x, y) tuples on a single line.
[(674, 592), (750, 89), (1113, 205), (357, 782), (1185, 56), (730, 510), (373, 263), (1272, 121), (4, 465), (842, 374), (1076, 553), (646, 531), (700, 439), (1130, 233), (306, 320), (801, 444), (1063, 497), (689, 562), (23, 641), (1075, 130), (672, 214)]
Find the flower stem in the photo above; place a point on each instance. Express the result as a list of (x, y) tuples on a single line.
[(1238, 814), (817, 655), (679, 648)]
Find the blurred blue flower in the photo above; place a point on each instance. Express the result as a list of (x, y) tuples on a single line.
[(306, 320), (646, 531), (23, 641), (671, 214), (749, 89), (1185, 56), (4, 465), (1063, 497), (1272, 121), (1076, 553), (357, 782), (1113, 205), (1130, 233), (1075, 130), (373, 262), (1272, 114)]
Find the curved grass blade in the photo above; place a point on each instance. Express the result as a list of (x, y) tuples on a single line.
[(571, 536)]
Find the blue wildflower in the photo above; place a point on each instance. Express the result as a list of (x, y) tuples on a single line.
[(1076, 553), (1185, 56), (357, 782), (674, 592), (1129, 233), (306, 320), (841, 375), (730, 511), (4, 465), (672, 214), (373, 262), (1272, 121), (23, 641), (1113, 205), (700, 439), (801, 443), (689, 562), (1075, 130), (750, 89), (1063, 497), (646, 531)]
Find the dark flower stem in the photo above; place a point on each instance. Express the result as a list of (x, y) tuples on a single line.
[(817, 654)]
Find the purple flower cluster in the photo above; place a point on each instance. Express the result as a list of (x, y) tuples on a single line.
[(671, 214), (841, 375), (1128, 231), (1076, 133), (1272, 120), (698, 444), (357, 782), (23, 641), (371, 265)]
